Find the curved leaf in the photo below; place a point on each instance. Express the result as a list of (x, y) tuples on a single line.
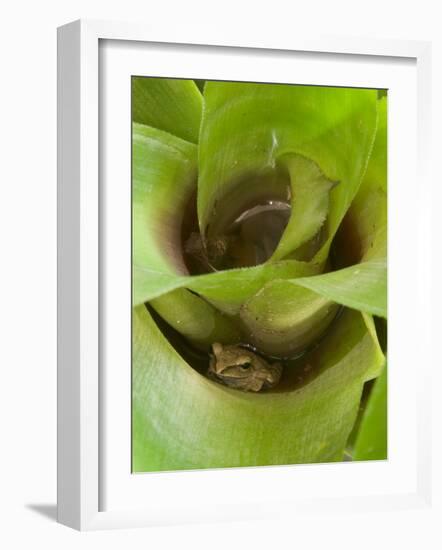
[(172, 105), (371, 441), (182, 420), (195, 319), (283, 319), (163, 179), (363, 233), (362, 286), (229, 289), (164, 173), (310, 204), (246, 129), (286, 316)]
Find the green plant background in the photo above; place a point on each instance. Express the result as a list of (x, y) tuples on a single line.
[(203, 137)]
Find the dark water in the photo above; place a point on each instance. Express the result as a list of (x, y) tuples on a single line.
[(245, 224), (252, 237)]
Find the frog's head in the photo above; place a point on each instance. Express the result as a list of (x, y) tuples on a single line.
[(241, 368)]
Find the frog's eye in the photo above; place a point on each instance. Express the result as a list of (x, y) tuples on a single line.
[(245, 366)]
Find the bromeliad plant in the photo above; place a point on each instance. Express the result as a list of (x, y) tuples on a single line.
[(259, 261)]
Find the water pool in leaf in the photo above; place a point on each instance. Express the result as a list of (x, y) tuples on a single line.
[(296, 371), (245, 227)]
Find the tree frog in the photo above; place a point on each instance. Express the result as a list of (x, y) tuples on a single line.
[(240, 368)]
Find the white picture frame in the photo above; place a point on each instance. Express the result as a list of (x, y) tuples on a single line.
[(83, 448)]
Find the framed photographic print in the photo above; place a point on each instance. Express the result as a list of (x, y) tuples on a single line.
[(227, 213)]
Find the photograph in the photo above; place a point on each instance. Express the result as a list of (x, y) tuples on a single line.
[(259, 274)]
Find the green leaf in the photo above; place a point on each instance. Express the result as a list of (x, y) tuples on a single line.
[(369, 209), (283, 319), (195, 319), (371, 441), (182, 420), (163, 179), (247, 128), (376, 173), (164, 176), (172, 105), (286, 316), (229, 289), (362, 286), (363, 233), (310, 203)]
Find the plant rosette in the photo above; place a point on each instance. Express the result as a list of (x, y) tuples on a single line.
[(259, 217)]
